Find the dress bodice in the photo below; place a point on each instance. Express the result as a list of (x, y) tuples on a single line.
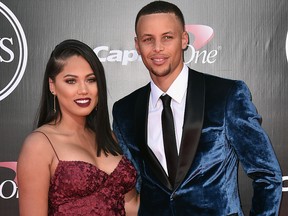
[(80, 188)]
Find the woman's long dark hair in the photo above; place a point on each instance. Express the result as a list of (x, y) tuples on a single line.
[(97, 120)]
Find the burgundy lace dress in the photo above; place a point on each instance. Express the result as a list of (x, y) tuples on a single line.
[(80, 188)]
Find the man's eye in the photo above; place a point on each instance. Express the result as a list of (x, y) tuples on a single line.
[(168, 37), (147, 39)]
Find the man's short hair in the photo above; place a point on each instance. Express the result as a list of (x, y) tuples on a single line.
[(160, 7)]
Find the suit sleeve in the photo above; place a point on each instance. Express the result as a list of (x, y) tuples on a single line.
[(254, 150), (118, 134)]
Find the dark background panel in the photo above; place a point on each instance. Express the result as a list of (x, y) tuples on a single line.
[(249, 38)]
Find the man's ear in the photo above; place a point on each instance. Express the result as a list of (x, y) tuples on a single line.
[(185, 40), (137, 45)]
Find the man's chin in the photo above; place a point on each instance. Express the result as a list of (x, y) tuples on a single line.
[(160, 73)]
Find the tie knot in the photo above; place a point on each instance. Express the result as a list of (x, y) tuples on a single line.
[(166, 100)]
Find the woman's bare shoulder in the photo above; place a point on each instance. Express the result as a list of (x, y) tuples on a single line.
[(37, 142)]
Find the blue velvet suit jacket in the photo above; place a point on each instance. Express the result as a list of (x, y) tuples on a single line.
[(221, 128)]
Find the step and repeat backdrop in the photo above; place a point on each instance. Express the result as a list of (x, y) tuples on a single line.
[(244, 40)]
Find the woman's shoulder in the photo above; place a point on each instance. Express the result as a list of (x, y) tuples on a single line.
[(36, 154), (37, 141)]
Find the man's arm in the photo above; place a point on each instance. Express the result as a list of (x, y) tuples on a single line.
[(254, 150)]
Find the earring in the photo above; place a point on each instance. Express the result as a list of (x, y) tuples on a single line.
[(54, 101), (54, 104)]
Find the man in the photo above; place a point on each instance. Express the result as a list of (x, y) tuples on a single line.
[(216, 126)]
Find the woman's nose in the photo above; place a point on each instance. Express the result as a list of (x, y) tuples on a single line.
[(82, 89)]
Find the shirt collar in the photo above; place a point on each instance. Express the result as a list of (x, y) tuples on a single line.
[(176, 91)]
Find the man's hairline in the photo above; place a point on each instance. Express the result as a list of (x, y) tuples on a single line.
[(170, 12)]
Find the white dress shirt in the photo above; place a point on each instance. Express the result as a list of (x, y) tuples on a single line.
[(177, 91)]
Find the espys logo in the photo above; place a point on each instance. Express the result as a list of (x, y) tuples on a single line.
[(201, 34), (9, 188), (13, 52)]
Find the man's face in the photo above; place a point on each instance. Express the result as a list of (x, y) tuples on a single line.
[(160, 42)]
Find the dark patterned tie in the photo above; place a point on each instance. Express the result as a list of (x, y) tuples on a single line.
[(169, 138)]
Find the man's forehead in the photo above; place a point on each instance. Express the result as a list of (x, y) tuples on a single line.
[(150, 19)]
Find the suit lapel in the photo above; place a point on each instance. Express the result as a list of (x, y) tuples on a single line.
[(141, 118), (193, 122)]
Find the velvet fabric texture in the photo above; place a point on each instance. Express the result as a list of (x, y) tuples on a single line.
[(221, 128)]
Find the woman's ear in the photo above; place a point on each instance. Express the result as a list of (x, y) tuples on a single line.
[(52, 86)]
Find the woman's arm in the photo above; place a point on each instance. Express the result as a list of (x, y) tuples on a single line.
[(33, 174), (132, 201)]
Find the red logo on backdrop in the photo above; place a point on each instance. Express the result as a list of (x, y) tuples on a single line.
[(203, 34), (10, 165), (9, 188)]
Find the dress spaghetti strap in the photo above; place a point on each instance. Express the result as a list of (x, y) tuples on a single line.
[(49, 142)]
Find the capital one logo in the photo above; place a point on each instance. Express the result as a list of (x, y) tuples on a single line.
[(201, 35), (9, 187), (13, 52)]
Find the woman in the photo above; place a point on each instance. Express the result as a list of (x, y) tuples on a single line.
[(71, 164)]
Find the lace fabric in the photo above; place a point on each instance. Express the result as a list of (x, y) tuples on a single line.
[(80, 188)]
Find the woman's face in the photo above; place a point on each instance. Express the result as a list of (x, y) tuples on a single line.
[(75, 87)]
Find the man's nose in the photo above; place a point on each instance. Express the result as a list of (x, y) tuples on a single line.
[(158, 46)]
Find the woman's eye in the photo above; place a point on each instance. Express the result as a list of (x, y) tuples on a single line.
[(92, 80), (70, 81)]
